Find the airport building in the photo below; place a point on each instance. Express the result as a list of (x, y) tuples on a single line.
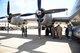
[(4, 25)]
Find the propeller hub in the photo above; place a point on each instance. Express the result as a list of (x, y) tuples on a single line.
[(39, 12)]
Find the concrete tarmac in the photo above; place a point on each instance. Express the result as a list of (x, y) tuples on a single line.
[(13, 42)]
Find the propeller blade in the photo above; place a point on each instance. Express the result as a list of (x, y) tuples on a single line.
[(8, 8), (13, 15), (27, 14), (54, 10), (39, 4), (2, 17)]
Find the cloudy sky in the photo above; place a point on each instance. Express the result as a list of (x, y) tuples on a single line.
[(30, 6)]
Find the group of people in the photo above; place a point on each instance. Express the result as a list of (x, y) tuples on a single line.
[(24, 31), (56, 32)]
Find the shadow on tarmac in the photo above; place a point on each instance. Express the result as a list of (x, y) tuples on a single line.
[(35, 43)]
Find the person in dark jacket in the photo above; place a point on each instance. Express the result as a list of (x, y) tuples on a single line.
[(22, 29), (67, 32), (70, 31), (48, 30)]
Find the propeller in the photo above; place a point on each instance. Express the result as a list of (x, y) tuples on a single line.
[(8, 13)]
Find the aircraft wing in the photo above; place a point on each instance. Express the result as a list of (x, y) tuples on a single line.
[(62, 19), (55, 10)]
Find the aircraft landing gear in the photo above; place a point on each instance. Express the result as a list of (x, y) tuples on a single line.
[(46, 32)]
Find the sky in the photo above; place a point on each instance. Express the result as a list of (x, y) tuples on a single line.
[(30, 6)]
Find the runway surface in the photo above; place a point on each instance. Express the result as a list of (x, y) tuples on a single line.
[(13, 42)]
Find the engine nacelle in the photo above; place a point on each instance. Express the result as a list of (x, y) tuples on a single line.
[(16, 20), (46, 20)]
